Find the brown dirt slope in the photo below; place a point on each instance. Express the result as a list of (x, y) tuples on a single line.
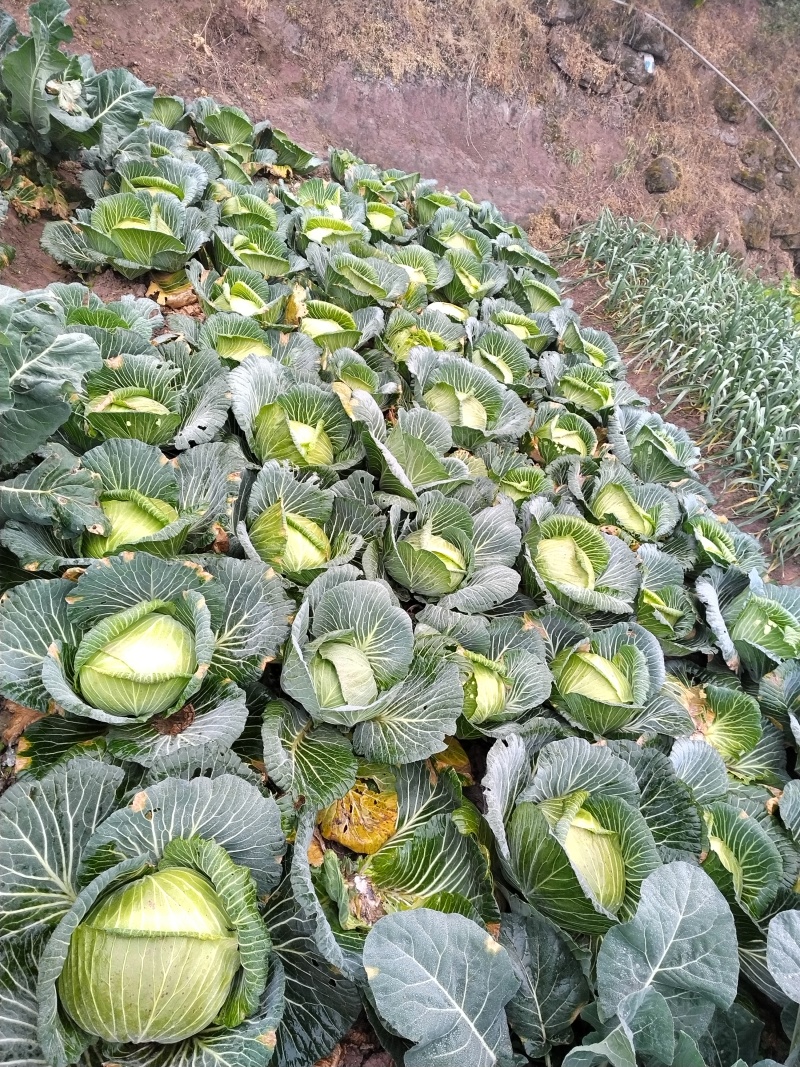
[(468, 91)]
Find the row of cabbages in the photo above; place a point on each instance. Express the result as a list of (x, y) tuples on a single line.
[(279, 578)]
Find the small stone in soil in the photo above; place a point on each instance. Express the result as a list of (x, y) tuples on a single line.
[(552, 12), (756, 224), (646, 36), (754, 180), (632, 65), (662, 175)]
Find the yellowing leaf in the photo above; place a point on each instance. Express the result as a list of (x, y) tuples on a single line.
[(362, 820)]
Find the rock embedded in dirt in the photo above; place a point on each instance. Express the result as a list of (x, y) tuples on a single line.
[(576, 61), (634, 94), (662, 175), (636, 67), (721, 231), (783, 162), (758, 153), (729, 105), (786, 228), (789, 181), (787, 222), (551, 12), (646, 36), (756, 226), (754, 180)]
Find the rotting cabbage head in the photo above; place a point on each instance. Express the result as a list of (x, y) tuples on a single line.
[(405, 838)]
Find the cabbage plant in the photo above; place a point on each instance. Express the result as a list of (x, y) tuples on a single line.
[(238, 147), (444, 553), (352, 661), (664, 606), (302, 529), (137, 637), (657, 451), (364, 516), (557, 432), (502, 664), (122, 495), (42, 363), (430, 329), (134, 232), (573, 839), (647, 512), (164, 397), (287, 418), (411, 457), (579, 566), (164, 174), (756, 625), (241, 291), (514, 474), (614, 683), (143, 927), (469, 397)]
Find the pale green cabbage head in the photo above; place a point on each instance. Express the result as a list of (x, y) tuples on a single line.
[(131, 520), (289, 541), (142, 670), (561, 559), (445, 551), (154, 961), (595, 853)]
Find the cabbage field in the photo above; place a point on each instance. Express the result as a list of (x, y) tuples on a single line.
[(380, 649)]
